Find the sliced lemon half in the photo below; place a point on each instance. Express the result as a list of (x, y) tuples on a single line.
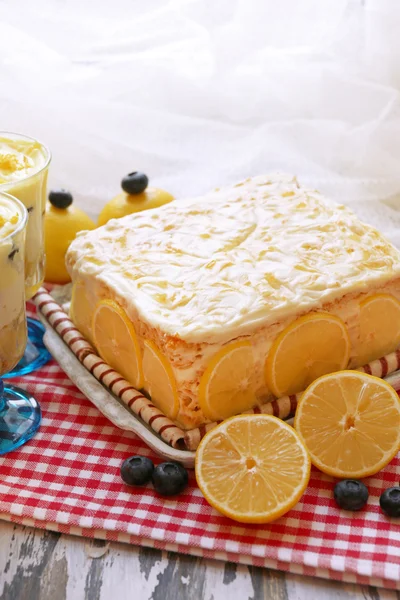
[(350, 424), (252, 468)]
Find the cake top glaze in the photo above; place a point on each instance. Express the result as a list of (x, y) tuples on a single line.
[(219, 266)]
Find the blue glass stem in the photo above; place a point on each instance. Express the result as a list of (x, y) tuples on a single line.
[(2, 399), (36, 354), (20, 417)]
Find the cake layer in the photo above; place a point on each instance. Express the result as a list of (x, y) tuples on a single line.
[(239, 264)]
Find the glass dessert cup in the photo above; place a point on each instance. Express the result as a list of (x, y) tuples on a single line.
[(19, 413), (24, 165)]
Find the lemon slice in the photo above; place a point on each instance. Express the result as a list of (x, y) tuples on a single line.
[(225, 387), (160, 380), (81, 310), (350, 424), (379, 328), (252, 468), (116, 341), (310, 347)]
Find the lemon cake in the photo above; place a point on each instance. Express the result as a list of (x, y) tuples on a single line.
[(218, 303)]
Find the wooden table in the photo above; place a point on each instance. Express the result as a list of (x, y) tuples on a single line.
[(42, 565)]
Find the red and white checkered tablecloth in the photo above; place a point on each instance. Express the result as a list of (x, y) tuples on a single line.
[(67, 479)]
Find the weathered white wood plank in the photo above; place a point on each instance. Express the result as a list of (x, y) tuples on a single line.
[(307, 588), (40, 565)]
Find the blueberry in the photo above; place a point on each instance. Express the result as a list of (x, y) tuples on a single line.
[(351, 494), (135, 183), (137, 470), (390, 502), (60, 198), (170, 478)]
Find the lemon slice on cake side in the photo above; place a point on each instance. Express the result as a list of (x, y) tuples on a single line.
[(252, 468), (81, 310), (350, 424), (309, 347), (159, 380), (379, 328), (116, 341), (225, 387)]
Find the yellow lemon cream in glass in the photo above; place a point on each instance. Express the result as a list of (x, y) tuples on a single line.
[(24, 166), (13, 217)]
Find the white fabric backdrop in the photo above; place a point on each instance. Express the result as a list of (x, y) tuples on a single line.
[(199, 93)]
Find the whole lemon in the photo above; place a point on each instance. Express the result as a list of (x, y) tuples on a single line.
[(136, 196), (62, 222)]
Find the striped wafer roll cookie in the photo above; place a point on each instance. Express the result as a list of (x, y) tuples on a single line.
[(383, 366)]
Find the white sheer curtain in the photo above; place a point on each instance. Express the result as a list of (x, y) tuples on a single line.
[(198, 93)]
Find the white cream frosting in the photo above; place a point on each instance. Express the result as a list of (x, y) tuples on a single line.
[(219, 266), (10, 217), (20, 158)]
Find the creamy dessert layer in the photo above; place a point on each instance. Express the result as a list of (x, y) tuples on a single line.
[(12, 292)]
